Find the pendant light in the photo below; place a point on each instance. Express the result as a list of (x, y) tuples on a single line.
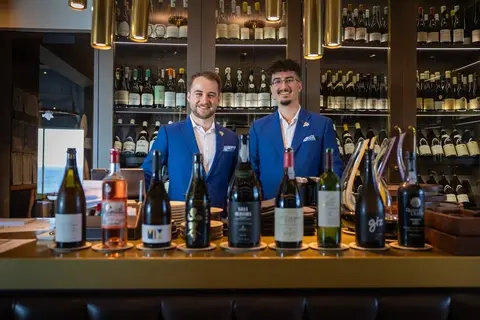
[(103, 17), (333, 23), (77, 4), (139, 20), (272, 10), (312, 29)]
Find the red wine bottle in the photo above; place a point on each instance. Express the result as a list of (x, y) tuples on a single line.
[(288, 207)]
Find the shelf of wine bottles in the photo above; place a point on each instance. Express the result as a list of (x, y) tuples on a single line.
[(457, 144)]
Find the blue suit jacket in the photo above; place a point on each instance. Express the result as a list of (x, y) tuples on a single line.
[(266, 148), (177, 144)]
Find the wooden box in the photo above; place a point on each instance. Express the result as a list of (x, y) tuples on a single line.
[(456, 245), (457, 222)]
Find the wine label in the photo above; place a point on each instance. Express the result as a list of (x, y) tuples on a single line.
[(349, 148), (360, 104), (451, 197), (433, 37), (228, 99), (350, 33), (350, 103), (428, 104), (375, 36), (244, 221), (264, 99), (288, 224), (421, 36), (233, 31), (424, 149), (462, 150), (183, 32), (462, 197), (197, 227), (371, 104), (128, 147), (251, 100), (156, 233), (180, 99), (114, 214), (328, 209), (330, 102), (473, 104), (68, 227), (339, 102), (445, 36), (269, 33), (142, 146), (384, 37), (473, 148), (134, 99), (222, 31), (437, 150), (449, 104), (159, 95), (244, 34), (121, 97), (411, 220), (170, 99), (382, 104), (172, 32), (438, 105), (461, 104), (258, 33), (361, 34), (117, 145), (240, 100), (282, 34), (147, 99), (449, 150), (419, 103), (476, 36), (458, 35)]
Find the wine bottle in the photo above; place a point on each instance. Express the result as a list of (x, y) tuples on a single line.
[(447, 144), (252, 96), (129, 142), (117, 143), (359, 137), (288, 207), (264, 96), (170, 93), (434, 142), (114, 205), (471, 198), (147, 91), (447, 189), (181, 93), (457, 25), (70, 210), (350, 94), (449, 93), (244, 202), (375, 33), (197, 207), (384, 23), (339, 143), (362, 93), (445, 28), (473, 93), (423, 147), (462, 195), (328, 206), (411, 208), (472, 144), (240, 94), (431, 177), (141, 149), (421, 27), (159, 90), (361, 28), (228, 97), (433, 35), (349, 28), (369, 209), (134, 94), (460, 146), (348, 145), (420, 179), (476, 23), (156, 220), (154, 135)]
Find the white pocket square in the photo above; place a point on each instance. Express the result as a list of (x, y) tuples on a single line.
[(229, 148), (310, 138)]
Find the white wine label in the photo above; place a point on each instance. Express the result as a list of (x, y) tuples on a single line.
[(330, 102), (473, 104), (170, 99), (288, 224), (123, 29), (258, 33), (172, 32), (339, 102), (433, 37), (239, 100), (361, 34), (282, 34), (350, 103), (382, 104), (375, 36), (462, 150), (128, 147), (425, 150), (156, 234), (233, 31), (183, 32), (147, 99), (421, 36), (462, 198), (269, 33), (461, 104), (244, 34), (142, 146), (360, 104), (273, 102), (121, 96), (438, 105), (251, 100), (349, 148), (445, 36), (458, 35), (328, 209), (428, 104), (449, 150), (371, 104), (349, 33), (264, 99), (451, 197), (180, 99), (473, 148), (228, 99), (118, 145), (68, 227), (475, 36), (114, 214), (449, 104), (134, 99), (419, 103), (437, 150), (159, 95), (384, 37)]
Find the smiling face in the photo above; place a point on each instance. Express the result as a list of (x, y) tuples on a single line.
[(286, 87), (203, 97)]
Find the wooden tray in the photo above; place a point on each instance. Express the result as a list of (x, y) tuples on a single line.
[(461, 246), (454, 221)]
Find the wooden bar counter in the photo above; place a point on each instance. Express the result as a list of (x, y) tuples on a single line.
[(35, 266)]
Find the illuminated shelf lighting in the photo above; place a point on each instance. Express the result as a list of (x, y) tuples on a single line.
[(158, 44)]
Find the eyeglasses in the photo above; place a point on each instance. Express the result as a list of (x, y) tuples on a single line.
[(288, 81)]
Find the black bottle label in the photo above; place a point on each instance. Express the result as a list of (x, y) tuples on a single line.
[(411, 222), (197, 227), (370, 231), (244, 223)]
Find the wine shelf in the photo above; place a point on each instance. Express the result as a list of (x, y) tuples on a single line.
[(243, 112), (252, 43), (449, 114), (154, 42), (430, 47), (374, 113), (149, 111)]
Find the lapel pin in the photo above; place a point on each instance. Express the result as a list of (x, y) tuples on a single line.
[(306, 124), (220, 133)]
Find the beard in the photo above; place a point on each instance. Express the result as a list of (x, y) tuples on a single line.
[(285, 102), (207, 114)]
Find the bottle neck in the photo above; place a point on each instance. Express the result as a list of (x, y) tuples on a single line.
[(412, 171), (288, 165), (197, 171), (369, 176), (71, 162), (156, 175), (329, 162), (244, 154), (114, 167)]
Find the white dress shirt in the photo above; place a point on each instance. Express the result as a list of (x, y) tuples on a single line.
[(206, 142), (288, 129)]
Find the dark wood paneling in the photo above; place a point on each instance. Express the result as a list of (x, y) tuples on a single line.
[(294, 30), (208, 35), (194, 52)]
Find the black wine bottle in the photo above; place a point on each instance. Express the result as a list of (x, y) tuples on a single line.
[(447, 144), (411, 208), (197, 208), (359, 137), (369, 210), (156, 220), (460, 146), (288, 207), (462, 195), (244, 202), (347, 139), (471, 198), (447, 189), (431, 177), (70, 211)]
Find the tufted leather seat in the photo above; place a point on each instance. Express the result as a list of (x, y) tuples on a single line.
[(287, 305)]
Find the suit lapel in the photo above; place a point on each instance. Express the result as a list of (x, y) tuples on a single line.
[(218, 147), (190, 136), (301, 130), (276, 134)]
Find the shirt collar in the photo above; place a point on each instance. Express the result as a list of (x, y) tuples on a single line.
[(196, 126), (294, 120)]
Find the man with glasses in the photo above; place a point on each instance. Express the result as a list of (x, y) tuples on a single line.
[(292, 126)]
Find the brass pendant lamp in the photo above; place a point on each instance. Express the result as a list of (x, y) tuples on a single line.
[(272, 10), (312, 29), (333, 24), (139, 20), (103, 20), (77, 4)]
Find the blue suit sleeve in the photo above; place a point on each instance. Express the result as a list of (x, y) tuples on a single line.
[(330, 141), (254, 156), (160, 144)]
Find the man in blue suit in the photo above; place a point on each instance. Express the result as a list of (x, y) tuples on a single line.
[(307, 133), (178, 142)]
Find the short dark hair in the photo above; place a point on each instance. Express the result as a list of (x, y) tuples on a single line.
[(285, 65), (212, 76)]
